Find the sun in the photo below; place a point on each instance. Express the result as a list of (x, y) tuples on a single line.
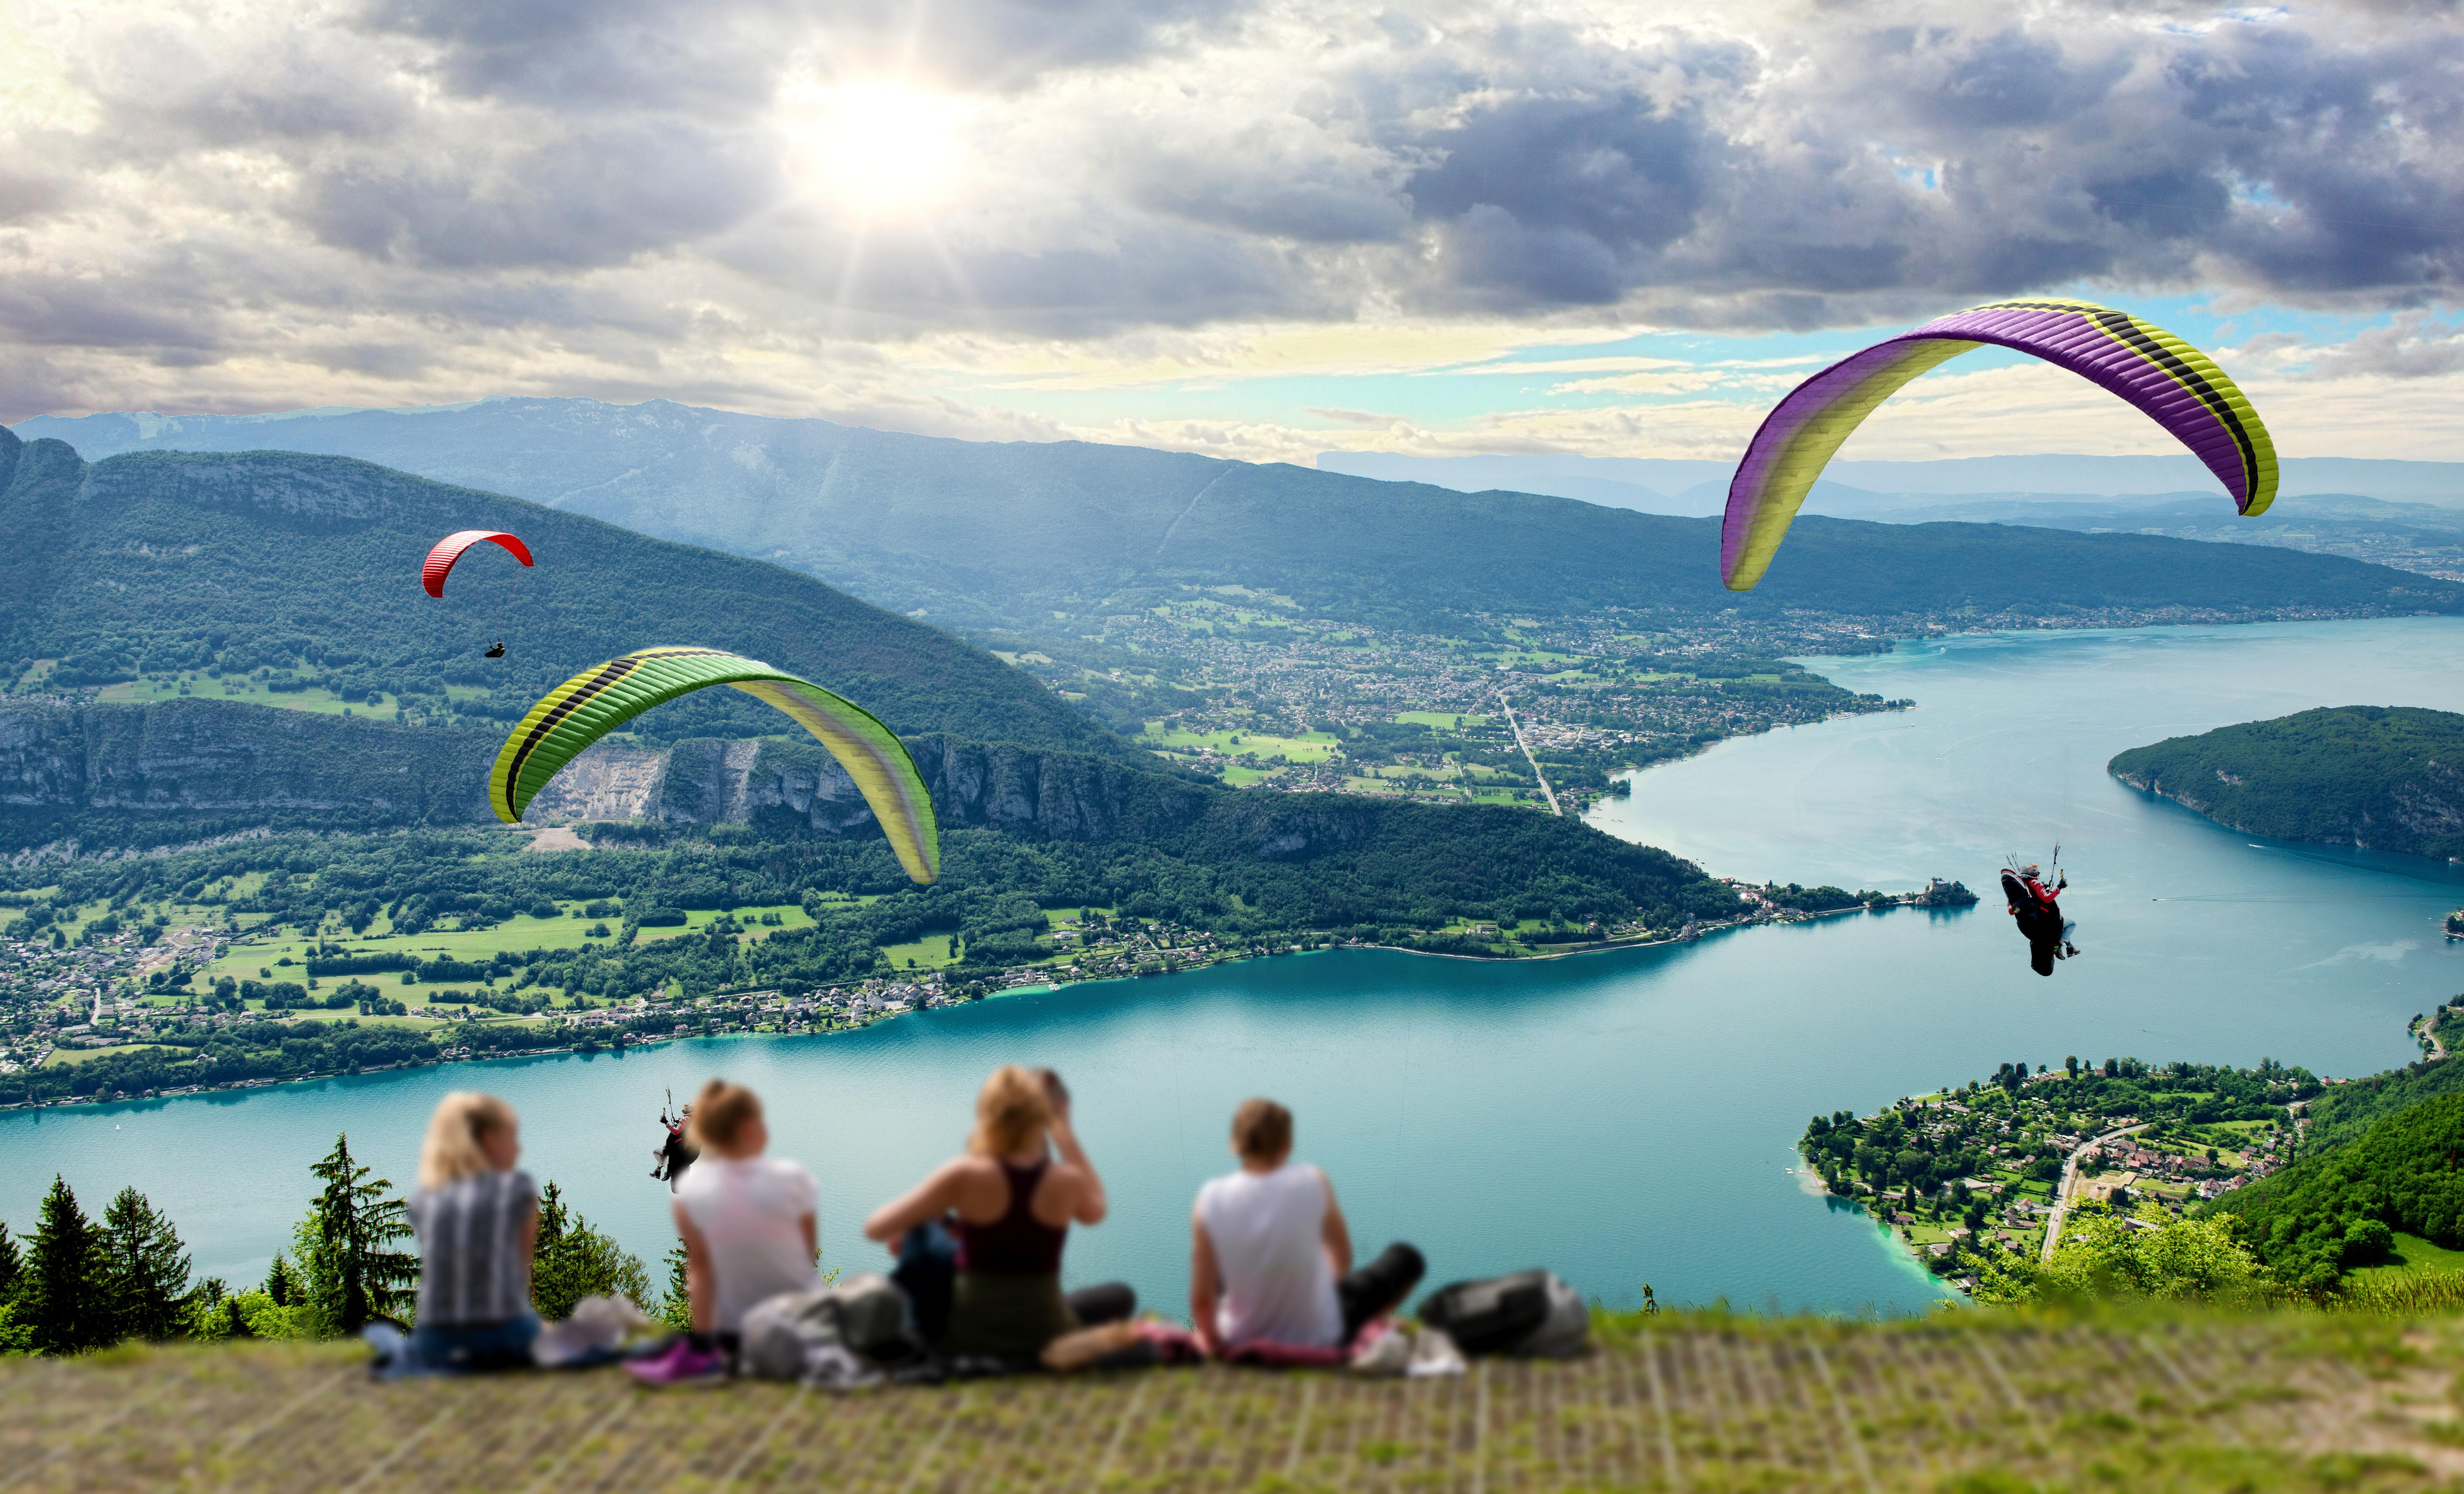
[(875, 148)]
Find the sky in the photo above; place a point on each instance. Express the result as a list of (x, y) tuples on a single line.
[(1257, 229)]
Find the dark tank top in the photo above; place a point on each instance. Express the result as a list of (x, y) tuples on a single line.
[(1018, 1244)]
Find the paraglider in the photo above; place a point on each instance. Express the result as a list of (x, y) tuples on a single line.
[(675, 1153), (2036, 908), (448, 550), (2171, 382), (440, 560), (595, 702)]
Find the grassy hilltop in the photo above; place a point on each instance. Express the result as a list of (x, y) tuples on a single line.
[(2283, 1403)]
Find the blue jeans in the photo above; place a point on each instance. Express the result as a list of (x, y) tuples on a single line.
[(471, 1349)]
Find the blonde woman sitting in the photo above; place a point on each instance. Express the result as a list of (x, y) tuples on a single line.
[(1010, 1202), (478, 1221)]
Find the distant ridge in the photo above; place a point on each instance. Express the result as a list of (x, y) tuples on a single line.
[(1034, 537), (1657, 485)]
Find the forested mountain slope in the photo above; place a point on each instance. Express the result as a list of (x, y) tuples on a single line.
[(307, 567), (2324, 1213), (2388, 777), (1008, 535)]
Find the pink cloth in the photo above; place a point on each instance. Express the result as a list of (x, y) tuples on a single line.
[(1308, 1356)]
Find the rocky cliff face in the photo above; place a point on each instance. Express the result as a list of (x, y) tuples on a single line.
[(141, 774)]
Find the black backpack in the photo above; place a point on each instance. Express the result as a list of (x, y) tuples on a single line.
[(1492, 1316)]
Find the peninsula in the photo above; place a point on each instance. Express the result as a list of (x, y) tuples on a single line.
[(2381, 778)]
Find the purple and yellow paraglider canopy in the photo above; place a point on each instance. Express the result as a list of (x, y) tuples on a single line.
[(2174, 384)]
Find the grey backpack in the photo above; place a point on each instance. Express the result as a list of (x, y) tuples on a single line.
[(784, 1336)]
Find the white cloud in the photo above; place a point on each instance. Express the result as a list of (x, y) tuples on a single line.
[(260, 205)]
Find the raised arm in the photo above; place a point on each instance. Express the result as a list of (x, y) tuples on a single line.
[(928, 1199), (1090, 1206)]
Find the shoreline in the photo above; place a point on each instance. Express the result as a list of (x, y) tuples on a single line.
[(1025, 988)]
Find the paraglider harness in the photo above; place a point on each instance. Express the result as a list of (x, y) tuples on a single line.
[(498, 652), (2036, 908), (675, 1153)]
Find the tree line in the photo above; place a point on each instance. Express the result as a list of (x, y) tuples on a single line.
[(76, 1283)]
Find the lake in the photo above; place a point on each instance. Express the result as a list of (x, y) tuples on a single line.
[(1621, 1118)]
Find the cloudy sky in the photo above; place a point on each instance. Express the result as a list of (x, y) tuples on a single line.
[(1253, 227)]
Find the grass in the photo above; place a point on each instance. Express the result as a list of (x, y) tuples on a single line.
[(316, 700), (1307, 747), (1967, 1402), (63, 1058), (2414, 1256), (516, 933), (929, 952), (1445, 721)]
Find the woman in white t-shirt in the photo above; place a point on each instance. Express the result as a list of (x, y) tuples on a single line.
[(1270, 1256), (748, 1227)]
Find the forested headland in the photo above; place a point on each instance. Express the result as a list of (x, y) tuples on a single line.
[(2383, 777)]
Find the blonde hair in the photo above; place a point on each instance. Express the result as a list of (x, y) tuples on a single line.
[(719, 1112), (452, 1151), (1013, 1110)]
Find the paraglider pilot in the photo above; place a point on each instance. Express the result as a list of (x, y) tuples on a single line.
[(498, 652), (2040, 916), (675, 1153)]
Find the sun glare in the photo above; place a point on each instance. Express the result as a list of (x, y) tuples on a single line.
[(876, 147)]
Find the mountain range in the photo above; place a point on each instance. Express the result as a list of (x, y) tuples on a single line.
[(1033, 538), (1871, 489)]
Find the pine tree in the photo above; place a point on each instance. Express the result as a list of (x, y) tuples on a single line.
[(281, 1283), (142, 1267), (352, 1273), (57, 1304), (13, 1267), (675, 1308), (15, 1339), (575, 1259)]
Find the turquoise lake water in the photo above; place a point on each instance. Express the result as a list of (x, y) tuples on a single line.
[(1622, 1118)]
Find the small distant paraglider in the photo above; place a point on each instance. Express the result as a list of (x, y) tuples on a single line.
[(595, 702), (440, 564), (2172, 383)]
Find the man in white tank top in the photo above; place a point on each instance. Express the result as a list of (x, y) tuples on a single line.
[(1271, 1255)]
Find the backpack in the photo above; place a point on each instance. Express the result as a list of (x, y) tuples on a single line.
[(862, 1313), (1530, 1312)]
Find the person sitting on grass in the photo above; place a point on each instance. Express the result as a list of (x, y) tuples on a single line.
[(1010, 1205), (748, 1225), (1270, 1253), (478, 1221)]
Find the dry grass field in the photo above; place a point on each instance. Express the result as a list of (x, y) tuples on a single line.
[(1976, 1403)]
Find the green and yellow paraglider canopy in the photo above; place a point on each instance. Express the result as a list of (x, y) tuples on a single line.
[(604, 697)]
